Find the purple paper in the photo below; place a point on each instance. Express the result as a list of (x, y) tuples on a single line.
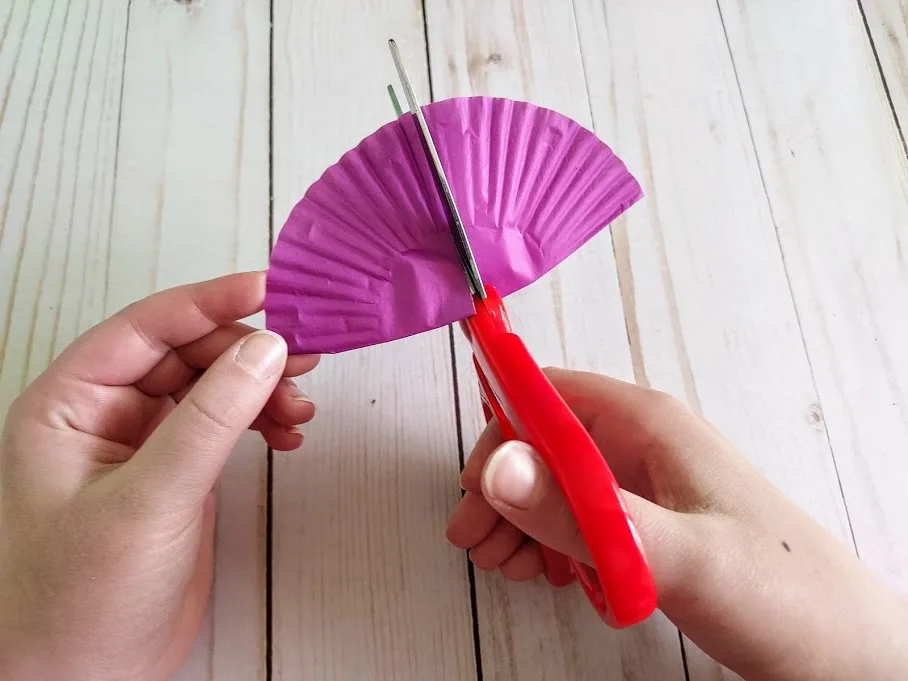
[(367, 257)]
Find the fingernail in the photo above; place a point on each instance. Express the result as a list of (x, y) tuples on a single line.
[(296, 393), (512, 475), (262, 354)]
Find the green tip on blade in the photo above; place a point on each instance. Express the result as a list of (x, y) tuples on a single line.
[(394, 102)]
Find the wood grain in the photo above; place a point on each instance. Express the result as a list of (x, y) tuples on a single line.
[(192, 203), (529, 50), (763, 280), (364, 584), (703, 276), (60, 78), (837, 181), (702, 269), (887, 21)]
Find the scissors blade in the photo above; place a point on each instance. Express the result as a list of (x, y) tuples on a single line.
[(461, 242)]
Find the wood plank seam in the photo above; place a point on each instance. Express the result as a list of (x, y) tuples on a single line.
[(269, 455), (461, 453), (371, 573), (785, 268), (529, 51), (620, 248), (458, 417), (883, 80)]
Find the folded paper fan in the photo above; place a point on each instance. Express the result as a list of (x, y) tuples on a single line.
[(367, 256)]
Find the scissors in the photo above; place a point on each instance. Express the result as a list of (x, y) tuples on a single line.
[(527, 407)]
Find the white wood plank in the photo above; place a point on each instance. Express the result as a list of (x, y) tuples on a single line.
[(888, 24), (835, 174), (702, 272), (365, 585), (60, 78), (837, 181), (529, 51), (192, 203)]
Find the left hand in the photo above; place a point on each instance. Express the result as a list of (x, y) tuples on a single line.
[(108, 465)]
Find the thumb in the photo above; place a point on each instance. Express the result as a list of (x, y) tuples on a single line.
[(518, 484), (183, 457)]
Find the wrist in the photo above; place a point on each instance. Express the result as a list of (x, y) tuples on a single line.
[(879, 633), (806, 611), (18, 662)]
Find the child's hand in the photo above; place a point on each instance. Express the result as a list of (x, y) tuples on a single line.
[(107, 468), (742, 571)]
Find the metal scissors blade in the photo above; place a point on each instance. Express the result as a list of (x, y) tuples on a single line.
[(456, 224)]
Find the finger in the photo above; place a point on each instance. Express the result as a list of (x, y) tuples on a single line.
[(202, 352), (179, 365), (284, 407), (518, 485), (289, 406), (180, 461), (167, 376), (624, 416), (654, 444), (472, 471), (471, 522), (278, 436), (589, 394), (282, 439), (498, 546), (525, 564), (122, 349)]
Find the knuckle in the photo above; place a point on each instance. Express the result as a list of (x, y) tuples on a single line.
[(665, 403), (17, 407), (208, 416), (148, 340), (43, 403), (553, 372)]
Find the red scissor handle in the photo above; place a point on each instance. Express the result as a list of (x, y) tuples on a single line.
[(528, 408)]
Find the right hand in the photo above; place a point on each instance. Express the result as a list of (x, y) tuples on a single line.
[(744, 573)]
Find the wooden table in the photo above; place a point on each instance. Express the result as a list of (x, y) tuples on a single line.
[(764, 279)]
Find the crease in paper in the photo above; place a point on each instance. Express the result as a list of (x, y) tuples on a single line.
[(366, 256)]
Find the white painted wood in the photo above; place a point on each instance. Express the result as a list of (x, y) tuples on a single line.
[(837, 181), (888, 24), (702, 273), (529, 50), (365, 586), (60, 75), (192, 203), (835, 175)]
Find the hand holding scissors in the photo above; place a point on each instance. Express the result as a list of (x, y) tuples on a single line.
[(517, 393)]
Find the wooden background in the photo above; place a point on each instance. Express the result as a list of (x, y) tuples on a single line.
[(147, 143)]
